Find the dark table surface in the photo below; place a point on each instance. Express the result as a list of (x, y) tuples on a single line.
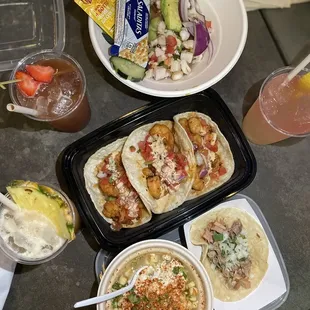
[(29, 150)]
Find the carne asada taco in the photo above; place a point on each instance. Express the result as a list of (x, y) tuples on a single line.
[(160, 165), (110, 190), (234, 251), (214, 160)]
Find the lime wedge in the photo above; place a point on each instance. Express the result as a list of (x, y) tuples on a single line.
[(304, 82), (44, 200)]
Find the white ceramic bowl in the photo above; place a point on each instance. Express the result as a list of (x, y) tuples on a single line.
[(230, 25), (150, 246)]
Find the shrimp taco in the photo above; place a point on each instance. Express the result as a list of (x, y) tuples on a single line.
[(214, 160), (110, 190), (160, 165), (234, 251)]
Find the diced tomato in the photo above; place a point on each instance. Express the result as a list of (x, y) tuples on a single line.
[(181, 160), (104, 181), (141, 145), (105, 169), (169, 49), (124, 179), (208, 24), (213, 148), (170, 155), (171, 41), (203, 122), (41, 73), (214, 175), (28, 86), (167, 61), (153, 58), (222, 170), (146, 150)]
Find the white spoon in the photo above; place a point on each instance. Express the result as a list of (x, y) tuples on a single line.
[(99, 299)]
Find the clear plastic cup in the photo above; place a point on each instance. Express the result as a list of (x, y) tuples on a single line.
[(56, 104), (7, 250), (281, 111)]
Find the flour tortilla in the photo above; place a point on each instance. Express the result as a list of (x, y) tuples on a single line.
[(134, 163), (223, 151), (258, 251), (91, 181)]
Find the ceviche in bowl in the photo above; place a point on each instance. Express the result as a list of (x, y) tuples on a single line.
[(189, 46), (173, 277)]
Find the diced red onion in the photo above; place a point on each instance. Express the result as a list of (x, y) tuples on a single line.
[(101, 174), (203, 173), (202, 39), (190, 26), (183, 10), (199, 159)]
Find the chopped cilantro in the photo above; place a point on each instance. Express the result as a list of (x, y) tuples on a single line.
[(133, 298), (184, 274), (139, 151), (223, 253), (110, 198), (176, 57), (218, 237), (110, 180), (115, 301), (117, 286), (161, 63), (176, 270)]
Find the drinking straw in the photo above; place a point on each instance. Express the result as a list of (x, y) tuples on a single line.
[(8, 203), (8, 82), (18, 109), (296, 70)]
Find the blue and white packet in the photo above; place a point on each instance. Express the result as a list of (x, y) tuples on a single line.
[(131, 31)]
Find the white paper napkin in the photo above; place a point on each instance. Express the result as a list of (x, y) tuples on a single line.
[(7, 268), (272, 285)]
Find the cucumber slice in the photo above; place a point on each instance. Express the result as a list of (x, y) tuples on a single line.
[(127, 69)]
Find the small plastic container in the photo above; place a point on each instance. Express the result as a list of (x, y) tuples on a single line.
[(30, 26), (22, 260)]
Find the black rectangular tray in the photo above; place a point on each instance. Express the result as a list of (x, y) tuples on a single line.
[(75, 156)]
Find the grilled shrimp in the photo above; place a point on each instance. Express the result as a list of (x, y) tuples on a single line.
[(108, 188), (184, 123), (111, 209), (196, 127), (154, 186), (164, 132)]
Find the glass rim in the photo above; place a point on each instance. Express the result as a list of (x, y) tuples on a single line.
[(12, 87), (22, 260), (267, 79)]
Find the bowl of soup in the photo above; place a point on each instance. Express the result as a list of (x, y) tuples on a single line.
[(173, 278)]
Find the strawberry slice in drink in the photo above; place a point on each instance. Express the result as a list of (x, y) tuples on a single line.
[(28, 86), (42, 74)]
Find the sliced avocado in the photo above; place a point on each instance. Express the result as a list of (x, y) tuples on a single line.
[(153, 28), (34, 197), (152, 35), (170, 12)]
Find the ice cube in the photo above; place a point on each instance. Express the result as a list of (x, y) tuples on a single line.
[(63, 105), (70, 83), (41, 105), (54, 93)]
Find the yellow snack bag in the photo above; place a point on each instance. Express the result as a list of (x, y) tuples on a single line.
[(102, 12)]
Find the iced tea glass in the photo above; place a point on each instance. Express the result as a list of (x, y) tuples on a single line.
[(62, 102), (281, 110)]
